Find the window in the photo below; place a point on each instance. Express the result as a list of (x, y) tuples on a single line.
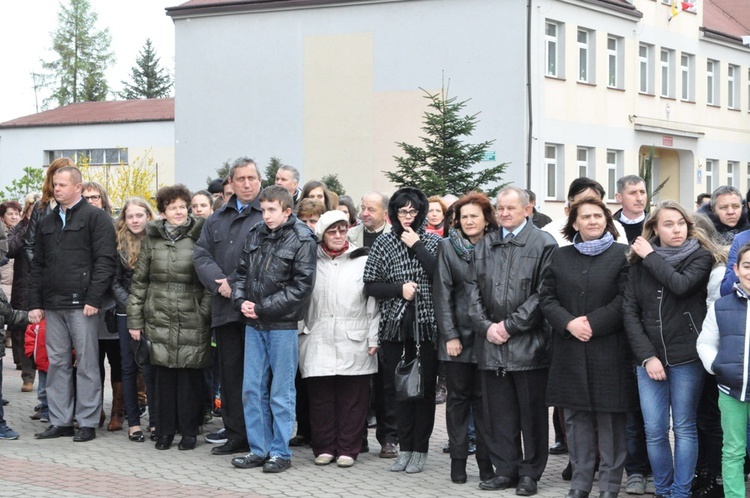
[(586, 53), (666, 65), (95, 157), (550, 165), (615, 61), (614, 158), (554, 34), (733, 87), (645, 68), (582, 160), (732, 167), (712, 83), (687, 77), (710, 175)]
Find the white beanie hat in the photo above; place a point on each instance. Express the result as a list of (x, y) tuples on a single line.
[(327, 219)]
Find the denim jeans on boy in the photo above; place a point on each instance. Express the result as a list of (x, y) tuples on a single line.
[(41, 394), (681, 392), (270, 356)]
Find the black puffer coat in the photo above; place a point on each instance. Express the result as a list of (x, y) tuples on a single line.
[(277, 273), (121, 284), (504, 284), (19, 298), (664, 307), (595, 375), (168, 301)]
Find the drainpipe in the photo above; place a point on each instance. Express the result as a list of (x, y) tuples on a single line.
[(529, 133)]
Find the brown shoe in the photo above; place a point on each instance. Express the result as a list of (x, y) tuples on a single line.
[(27, 387), (388, 450)]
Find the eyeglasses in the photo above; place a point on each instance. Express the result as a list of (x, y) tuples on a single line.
[(334, 231), (403, 213), (92, 197)]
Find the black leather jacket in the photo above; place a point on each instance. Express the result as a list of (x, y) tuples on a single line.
[(277, 273), (504, 283), (664, 307)]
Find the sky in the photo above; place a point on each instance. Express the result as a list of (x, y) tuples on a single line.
[(25, 38)]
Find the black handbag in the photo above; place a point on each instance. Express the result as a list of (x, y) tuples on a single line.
[(408, 376), (141, 350)]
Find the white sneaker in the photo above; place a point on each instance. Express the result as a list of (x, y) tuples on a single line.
[(345, 461), (323, 459)]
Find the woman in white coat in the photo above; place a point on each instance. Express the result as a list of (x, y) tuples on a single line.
[(338, 345)]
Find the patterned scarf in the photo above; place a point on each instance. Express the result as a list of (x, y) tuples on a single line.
[(391, 261), (594, 247), (673, 255), (332, 252), (464, 248)]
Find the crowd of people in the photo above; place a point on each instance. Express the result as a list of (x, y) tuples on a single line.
[(291, 308)]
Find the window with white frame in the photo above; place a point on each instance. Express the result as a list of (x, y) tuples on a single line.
[(732, 168), (586, 55), (95, 157), (712, 82), (710, 174), (582, 161), (550, 166), (733, 87), (646, 68), (615, 61), (554, 46), (614, 160), (687, 77), (666, 66)]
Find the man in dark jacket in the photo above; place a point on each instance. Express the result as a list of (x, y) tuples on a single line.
[(216, 256), (74, 262), (632, 195), (512, 342), (272, 290)]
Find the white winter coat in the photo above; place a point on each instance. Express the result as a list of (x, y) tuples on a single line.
[(341, 322)]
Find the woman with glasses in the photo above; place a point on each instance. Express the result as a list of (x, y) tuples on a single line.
[(399, 273), (338, 345)]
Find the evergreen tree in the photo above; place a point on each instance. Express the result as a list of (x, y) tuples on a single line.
[(83, 55), (149, 79), (334, 184), (269, 177), (31, 181), (445, 164), (221, 172)]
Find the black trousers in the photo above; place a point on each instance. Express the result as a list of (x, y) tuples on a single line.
[(515, 405), (179, 400), (464, 397), (415, 419), (230, 345), (385, 409), (710, 434)]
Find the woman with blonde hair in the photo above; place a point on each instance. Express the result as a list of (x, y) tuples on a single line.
[(131, 229), (663, 312)]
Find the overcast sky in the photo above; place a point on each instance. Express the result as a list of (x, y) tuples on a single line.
[(25, 38)]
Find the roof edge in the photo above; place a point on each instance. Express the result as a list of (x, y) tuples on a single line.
[(262, 5), (82, 123), (718, 35)]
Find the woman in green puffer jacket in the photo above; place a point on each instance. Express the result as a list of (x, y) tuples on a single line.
[(168, 302)]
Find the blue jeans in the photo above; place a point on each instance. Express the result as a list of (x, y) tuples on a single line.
[(681, 392), (41, 394), (130, 378), (268, 393)]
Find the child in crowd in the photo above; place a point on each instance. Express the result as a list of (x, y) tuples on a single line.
[(272, 289), (10, 317), (35, 347), (723, 346)]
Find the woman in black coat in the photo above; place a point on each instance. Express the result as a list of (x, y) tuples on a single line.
[(590, 376), (473, 219)]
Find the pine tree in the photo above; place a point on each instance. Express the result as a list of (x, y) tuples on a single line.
[(269, 177), (334, 184), (149, 79), (445, 165), (83, 56)]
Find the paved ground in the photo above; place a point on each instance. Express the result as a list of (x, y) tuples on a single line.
[(113, 466)]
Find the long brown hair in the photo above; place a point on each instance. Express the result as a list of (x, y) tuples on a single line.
[(48, 187), (128, 243), (649, 229)]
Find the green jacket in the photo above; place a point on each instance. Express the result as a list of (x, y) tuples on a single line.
[(168, 301)]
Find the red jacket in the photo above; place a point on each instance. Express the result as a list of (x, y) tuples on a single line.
[(35, 344)]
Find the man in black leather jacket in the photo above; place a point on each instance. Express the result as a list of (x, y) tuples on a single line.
[(512, 342), (272, 290)]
